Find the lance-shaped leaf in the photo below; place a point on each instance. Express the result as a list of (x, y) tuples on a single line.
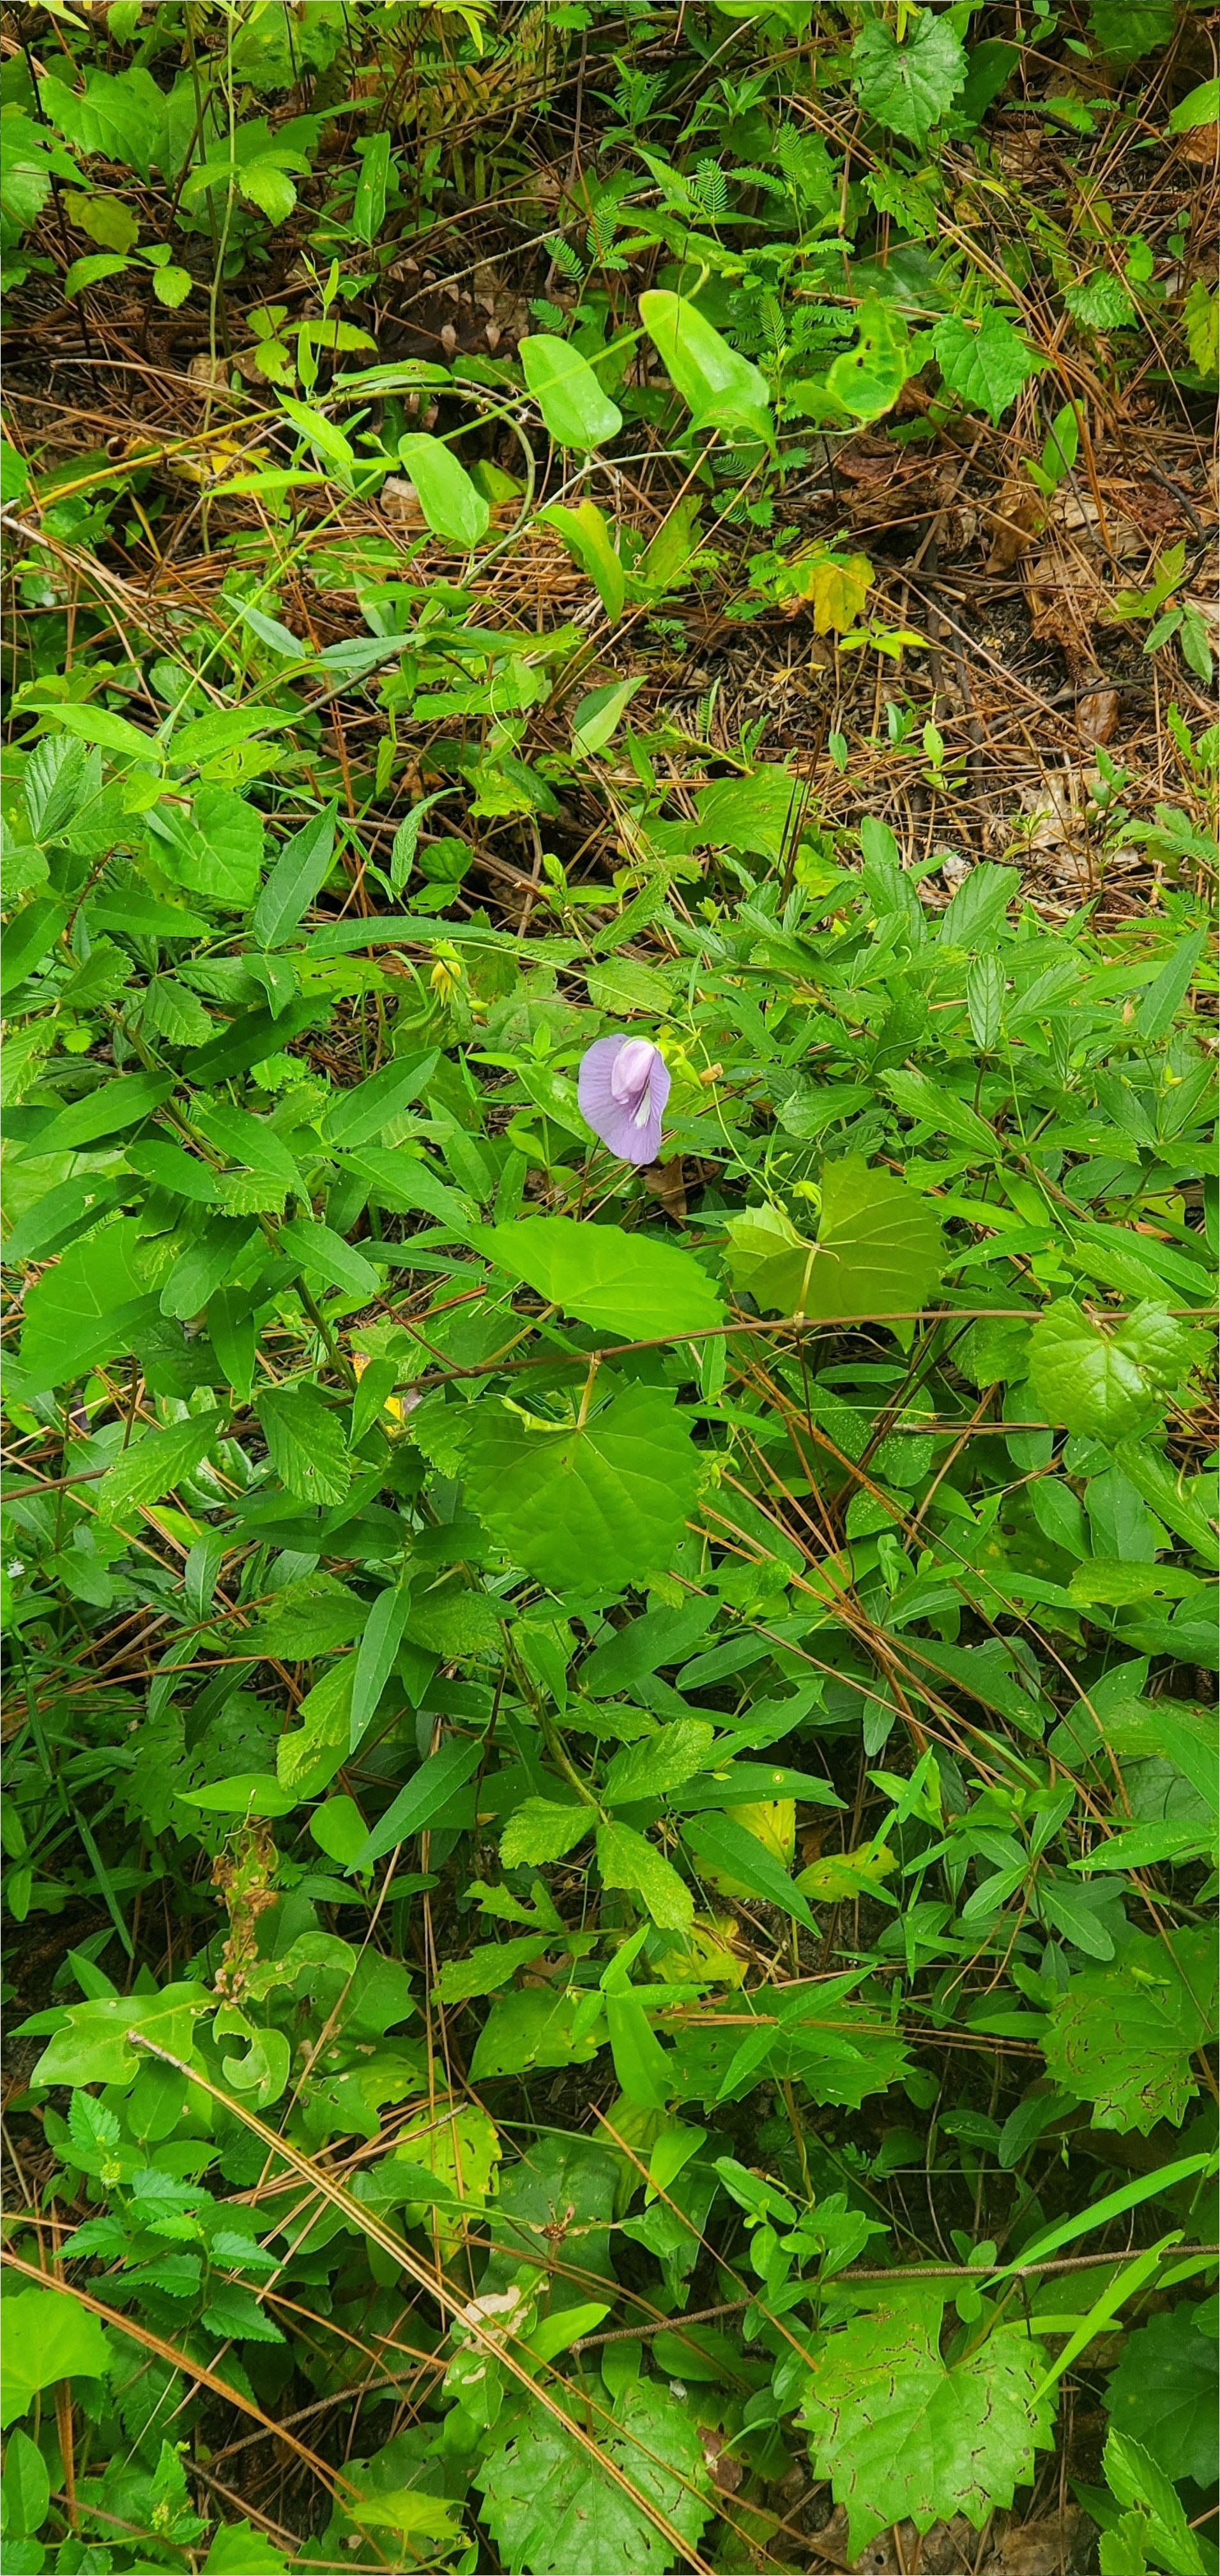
[(576, 410), (721, 389), (452, 505)]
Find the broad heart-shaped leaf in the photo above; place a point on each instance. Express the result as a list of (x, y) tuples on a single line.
[(533, 2028), (625, 1282), (47, 2337), (610, 1499), (986, 366), (239, 2550), (91, 2045), (751, 814), (901, 2436), (1163, 2392), (1123, 2037), (625, 1859), (723, 390), (569, 397), (549, 2511), (868, 379), (878, 1251), (1104, 1383), (306, 1443), (908, 87), (452, 505)]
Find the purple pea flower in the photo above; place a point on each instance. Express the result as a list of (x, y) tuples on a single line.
[(623, 1088)]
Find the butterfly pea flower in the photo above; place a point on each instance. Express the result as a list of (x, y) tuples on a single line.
[(623, 1088)]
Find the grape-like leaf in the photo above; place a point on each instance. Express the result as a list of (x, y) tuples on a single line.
[(609, 1498), (908, 87), (901, 2436), (1123, 2036)]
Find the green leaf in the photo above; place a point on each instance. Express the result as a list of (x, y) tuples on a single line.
[(308, 1756), (25, 2489), (1137, 2479), (426, 1793), (306, 1443), (585, 534), (625, 1859), (383, 1629), (547, 2508), (985, 366), (1123, 2037), (248, 1793), (155, 1464), (596, 716), (1126, 29), (485, 1969), (1106, 1383), (239, 2550), (626, 1283), (325, 1254), (85, 1307), (720, 389), (539, 1831), (730, 1851), (533, 2028), (107, 1111), (91, 270), (452, 505), (751, 814), (46, 2337), (614, 1493), (879, 1249), (1163, 2392), (1201, 106), (576, 411), (903, 2437), (908, 87), (1101, 302), (300, 870), (93, 2045), (360, 1114), (919, 1097), (664, 1761), (867, 381), (623, 985)]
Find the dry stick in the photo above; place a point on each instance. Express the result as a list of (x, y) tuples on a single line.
[(891, 2272)]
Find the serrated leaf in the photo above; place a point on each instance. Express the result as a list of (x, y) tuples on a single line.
[(903, 2437), (538, 1830), (155, 1463), (986, 366), (549, 2511), (664, 1761), (626, 1283), (1123, 2036), (306, 1443), (614, 1493), (626, 1859), (908, 87)]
